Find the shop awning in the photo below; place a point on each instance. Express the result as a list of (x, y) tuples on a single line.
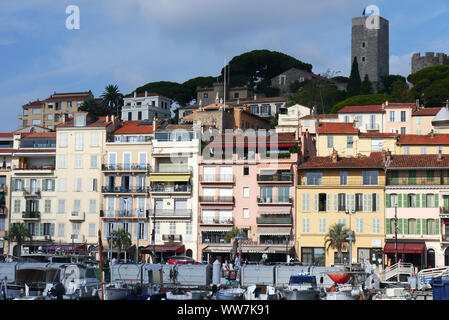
[(273, 231), (405, 247), (163, 248), (215, 229), (226, 249), (274, 210), (169, 177)]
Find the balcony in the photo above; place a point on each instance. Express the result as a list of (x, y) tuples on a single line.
[(419, 180), (3, 211), (226, 178), (3, 188), (171, 213), (372, 127), (271, 219), (276, 178), (125, 190), (271, 201), (170, 188), (34, 170), (125, 167), (76, 216), (126, 214), (172, 237), (216, 200), (177, 169), (216, 221), (31, 215), (32, 193)]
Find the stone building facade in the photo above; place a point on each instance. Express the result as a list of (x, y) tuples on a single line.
[(430, 59)]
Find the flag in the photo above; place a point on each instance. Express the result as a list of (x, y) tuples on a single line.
[(364, 12)]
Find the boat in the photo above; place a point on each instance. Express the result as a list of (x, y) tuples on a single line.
[(262, 292), (179, 294), (301, 287), (114, 291), (342, 290), (230, 294)]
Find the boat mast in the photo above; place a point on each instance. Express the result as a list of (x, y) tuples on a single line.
[(101, 264)]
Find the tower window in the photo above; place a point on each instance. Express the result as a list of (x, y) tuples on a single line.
[(363, 44), (363, 59)]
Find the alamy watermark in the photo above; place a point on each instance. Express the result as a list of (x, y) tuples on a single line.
[(73, 20), (373, 20)]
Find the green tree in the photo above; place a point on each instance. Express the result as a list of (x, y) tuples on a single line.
[(361, 100), (336, 238), (19, 233), (354, 82), (399, 91), (97, 108), (121, 240), (112, 98), (367, 86), (430, 85), (388, 81)]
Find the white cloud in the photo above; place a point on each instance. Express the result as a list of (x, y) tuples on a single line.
[(401, 64)]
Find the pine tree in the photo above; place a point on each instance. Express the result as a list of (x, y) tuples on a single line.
[(367, 86), (354, 83)]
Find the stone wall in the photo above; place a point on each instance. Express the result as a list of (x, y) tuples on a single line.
[(430, 59)]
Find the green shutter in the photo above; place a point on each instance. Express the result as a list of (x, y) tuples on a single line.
[(405, 201), (27, 205), (23, 184), (437, 226), (400, 200), (417, 201), (411, 177), (43, 184), (13, 183), (400, 226), (52, 229), (418, 226), (387, 200), (430, 175), (37, 205), (387, 226), (394, 177), (424, 226), (424, 204), (405, 226), (52, 184), (436, 200), (446, 202)]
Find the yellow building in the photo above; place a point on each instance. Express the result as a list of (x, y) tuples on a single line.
[(328, 187), (431, 143)]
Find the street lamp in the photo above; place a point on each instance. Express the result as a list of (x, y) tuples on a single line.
[(350, 238)]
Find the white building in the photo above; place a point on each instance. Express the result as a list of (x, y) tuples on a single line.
[(370, 118), (145, 106), (289, 121)]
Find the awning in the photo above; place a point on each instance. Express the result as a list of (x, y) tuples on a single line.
[(405, 247), (226, 249), (215, 229), (275, 165), (163, 248), (273, 231), (274, 210), (169, 177)]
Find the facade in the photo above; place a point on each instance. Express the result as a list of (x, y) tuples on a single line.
[(430, 59), (423, 144), (125, 185), (209, 95), (289, 121), (248, 190), (422, 120), (417, 195), (328, 187), (6, 148), (264, 107), (145, 106), (370, 46), (370, 118), (173, 203), (50, 112), (185, 111), (398, 117), (308, 123)]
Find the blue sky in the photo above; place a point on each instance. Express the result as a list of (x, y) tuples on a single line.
[(132, 42)]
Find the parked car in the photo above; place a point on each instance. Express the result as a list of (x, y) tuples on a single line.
[(181, 260)]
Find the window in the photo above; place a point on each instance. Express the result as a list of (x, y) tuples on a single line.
[(393, 200), (322, 202), (403, 116), (266, 194), (363, 59), (411, 200), (36, 122), (430, 175), (16, 205), (62, 162), (343, 177), (92, 230), (412, 177), (359, 225), (406, 150), (205, 95), (93, 161), (330, 141), (412, 226), (363, 44), (314, 178), (61, 230), (245, 192), (94, 139), (62, 185), (79, 141), (47, 229), (430, 200), (63, 139), (439, 149), (359, 202), (391, 118), (423, 150), (172, 227), (313, 256), (322, 225), (403, 130), (61, 206), (76, 227), (245, 213), (349, 142), (376, 226), (236, 95), (305, 225), (376, 145), (283, 194), (77, 185), (430, 224), (78, 162), (346, 118), (92, 205), (246, 171), (370, 177), (341, 202), (36, 111), (76, 205), (47, 207)]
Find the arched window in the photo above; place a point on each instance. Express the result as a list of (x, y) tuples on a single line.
[(431, 258)]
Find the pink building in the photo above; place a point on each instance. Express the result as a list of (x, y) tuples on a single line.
[(399, 117), (253, 191), (417, 194)]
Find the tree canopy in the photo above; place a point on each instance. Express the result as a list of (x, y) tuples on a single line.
[(430, 85), (361, 100), (354, 82)]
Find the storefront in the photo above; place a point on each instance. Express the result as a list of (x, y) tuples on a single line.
[(163, 252), (410, 252)]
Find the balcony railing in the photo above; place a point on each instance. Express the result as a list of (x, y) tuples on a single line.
[(35, 169), (274, 201), (125, 189), (279, 177), (372, 127), (171, 188), (133, 213), (172, 237), (419, 180), (444, 210), (28, 192), (216, 220), (216, 200), (31, 215), (279, 219), (171, 169), (76, 215), (125, 167), (222, 178), (171, 213)]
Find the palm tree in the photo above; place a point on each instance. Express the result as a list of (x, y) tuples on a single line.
[(232, 234), (19, 233), (121, 239), (112, 98), (336, 238)]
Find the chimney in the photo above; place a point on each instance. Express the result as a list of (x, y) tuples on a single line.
[(440, 156), (146, 93), (396, 134), (112, 119), (431, 134), (154, 123), (388, 155), (135, 94), (255, 97), (384, 156), (417, 103), (334, 156), (355, 124)]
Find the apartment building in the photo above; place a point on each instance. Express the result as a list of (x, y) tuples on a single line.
[(79, 155), (252, 188), (417, 195), (289, 120), (50, 112), (145, 106), (422, 120), (6, 148), (431, 143), (32, 190), (125, 183), (308, 123), (347, 190), (398, 117), (173, 202), (370, 118)]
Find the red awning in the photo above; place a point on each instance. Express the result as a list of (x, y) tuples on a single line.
[(251, 145), (405, 247), (163, 248)]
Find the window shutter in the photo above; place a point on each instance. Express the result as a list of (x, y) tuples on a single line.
[(136, 230), (365, 203), (335, 202), (387, 200), (417, 202), (316, 202), (145, 231), (436, 200), (423, 199), (405, 198), (377, 202), (13, 183), (437, 226), (400, 200), (352, 201), (328, 202), (41, 229), (418, 226), (400, 226), (387, 226), (303, 202), (424, 226), (370, 202), (405, 226), (52, 229)]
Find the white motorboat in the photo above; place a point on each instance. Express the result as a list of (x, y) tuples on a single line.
[(230, 294), (301, 287), (114, 291), (262, 292)]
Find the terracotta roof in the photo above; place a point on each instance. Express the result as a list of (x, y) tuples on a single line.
[(373, 161), (29, 135), (320, 116), (426, 112), (362, 109), (69, 96), (6, 134), (34, 103), (336, 127), (419, 161), (417, 139), (377, 134), (129, 127)]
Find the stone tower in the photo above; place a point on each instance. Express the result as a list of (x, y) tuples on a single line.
[(429, 60), (370, 44)]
